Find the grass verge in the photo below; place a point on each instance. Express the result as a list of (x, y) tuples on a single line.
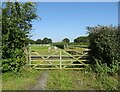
[(80, 80), (20, 81)]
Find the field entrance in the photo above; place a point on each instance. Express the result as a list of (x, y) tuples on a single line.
[(51, 57)]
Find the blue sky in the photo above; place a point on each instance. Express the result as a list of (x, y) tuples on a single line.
[(69, 20)]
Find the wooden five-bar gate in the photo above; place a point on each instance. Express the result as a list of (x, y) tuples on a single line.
[(58, 59)]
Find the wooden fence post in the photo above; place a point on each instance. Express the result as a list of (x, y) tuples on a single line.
[(29, 55), (27, 61), (60, 60)]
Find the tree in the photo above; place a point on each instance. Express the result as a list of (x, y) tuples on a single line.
[(66, 40), (81, 39), (46, 40), (38, 41), (31, 41), (16, 26)]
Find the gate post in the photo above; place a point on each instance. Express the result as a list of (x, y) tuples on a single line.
[(26, 55), (29, 55), (60, 60)]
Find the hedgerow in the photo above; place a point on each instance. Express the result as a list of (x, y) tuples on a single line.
[(104, 49), (16, 26)]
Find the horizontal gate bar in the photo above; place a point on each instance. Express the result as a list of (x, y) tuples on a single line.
[(52, 55), (73, 68), (62, 68), (58, 60), (46, 68), (57, 64)]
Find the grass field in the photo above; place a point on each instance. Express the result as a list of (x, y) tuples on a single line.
[(42, 50)]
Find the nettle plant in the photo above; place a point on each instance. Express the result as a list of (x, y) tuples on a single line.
[(16, 26)]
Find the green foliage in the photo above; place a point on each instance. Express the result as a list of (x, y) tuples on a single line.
[(107, 82), (59, 44), (30, 41), (0, 34), (101, 79), (104, 48), (16, 26), (80, 80), (101, 69), (82, 40), (15, 61), (46, 40), (118, 40), (38, 41), (66, 40)]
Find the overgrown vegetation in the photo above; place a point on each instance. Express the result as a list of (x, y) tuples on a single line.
[(0, 46), (104, 52), (79, 80), (16, 26)]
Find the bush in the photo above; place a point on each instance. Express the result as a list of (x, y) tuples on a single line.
[(16, 26), (104, 47), (15, 62), (60, 45)]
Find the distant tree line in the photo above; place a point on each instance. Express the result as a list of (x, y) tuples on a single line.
[(82, 40), (66, 40), (39, 41), (78, 40)]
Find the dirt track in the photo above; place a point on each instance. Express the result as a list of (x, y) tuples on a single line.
[(42, 81)]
